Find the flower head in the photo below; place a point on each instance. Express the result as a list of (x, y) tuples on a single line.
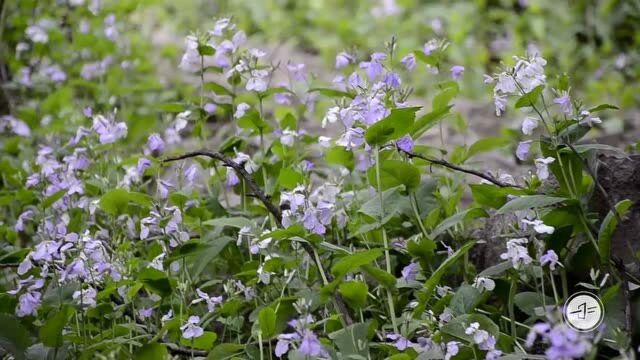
[(191, 330)]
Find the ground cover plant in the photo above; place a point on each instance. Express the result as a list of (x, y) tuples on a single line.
[(252, 209)]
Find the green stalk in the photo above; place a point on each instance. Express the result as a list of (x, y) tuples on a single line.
[(385, 241)]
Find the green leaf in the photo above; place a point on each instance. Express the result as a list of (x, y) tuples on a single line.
[(385, 279), (397, 124), (528, 301), (253, 121), (466, 215), (14, 338), (497, 269), (156, 281), (355, 293), (434, 280), (607, 229), (289, 178), (115, 202), (50, 200), (203, 342), (218, 89), (351, 262), (428, 121), (394, 173), (332, 93), (457, 326), (51, 331), (352, 341), (485, 145), (225, 351), (338, 155), (529, 202), (171, 107), (603, 107), (235, 222), (444, 97), (154, 351), (530, 98), (464, 300), (492, 195), (267, 320), (206, 50)]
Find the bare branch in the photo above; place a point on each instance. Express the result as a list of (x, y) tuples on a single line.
[(451, 166)]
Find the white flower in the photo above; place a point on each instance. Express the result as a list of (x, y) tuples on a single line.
[(331, 116), (211, 301), (257, 81), (589, 120), (324, 141), (288, 137), (190, 329), (542, 167), (529, 124), (241, 109), (539, 226), (482, 283), (517, 252)]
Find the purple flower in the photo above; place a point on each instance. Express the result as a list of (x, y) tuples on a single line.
[(551, 258), (392, 80), (145, 313), (29, 303), (310, 345), (452, 348), (400, 342), (210, 108), (410, 272), (297, 71), (311, 222), (409, 62), (85, 297), (529, 124), (163, 188), (352, 138), (456, 72), (232, 179), (191, 330), (307, 165), (25, 216), (405, 143), (143, 164), (209, 300), (284, 341), (109, 130), (155, 144), (522, 152), (190, 174), (374, 67), (240, 110), (343, 59), (564, 101)]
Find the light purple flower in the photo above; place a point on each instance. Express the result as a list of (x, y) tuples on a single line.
[(456, 72), (409, 62), (163, 188), (297, 71), (522, 152), (551, 258), (500, 102), (400, 342), (191, 330), (143, 164), (190, 174), (343, 59), (374, 67), (28, 304), (155, 144), (410, 271), (352, 138), (85, 297), (405, 143), (284, 341), (25, 216), (145, 313), (109, 130), (542, 167), (529, 124), (241, 110), (452, 349), (257, 81), (392, 80), (310, 345), (210, 108), (564, 101), (311, 222), (211, 301), (232, 179)]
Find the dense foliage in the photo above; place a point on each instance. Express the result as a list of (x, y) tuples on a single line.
[(252, 209)]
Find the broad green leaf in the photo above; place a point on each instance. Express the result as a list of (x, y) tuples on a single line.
[(444, 97), (464, 300), (492, 195), (497, 269), (172, 107), (428, 121), (51, 331), (352, 341), (603, 107), (394, 173), (338, 155), (225, 351), (466, 215), (530, 98), (397, 124), (235, 222), (218, 89), (434, 280), (206, 50), (529, 202), (459, 324), (528, 301), (267, 322), (14, 338), (156, 281), (253, 121), (485, 145), (355, 293), (115, 201), (154, 351), (50, 200), (385, 279), (289, 178), (352, 262), (608, 227), (204, 342)]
